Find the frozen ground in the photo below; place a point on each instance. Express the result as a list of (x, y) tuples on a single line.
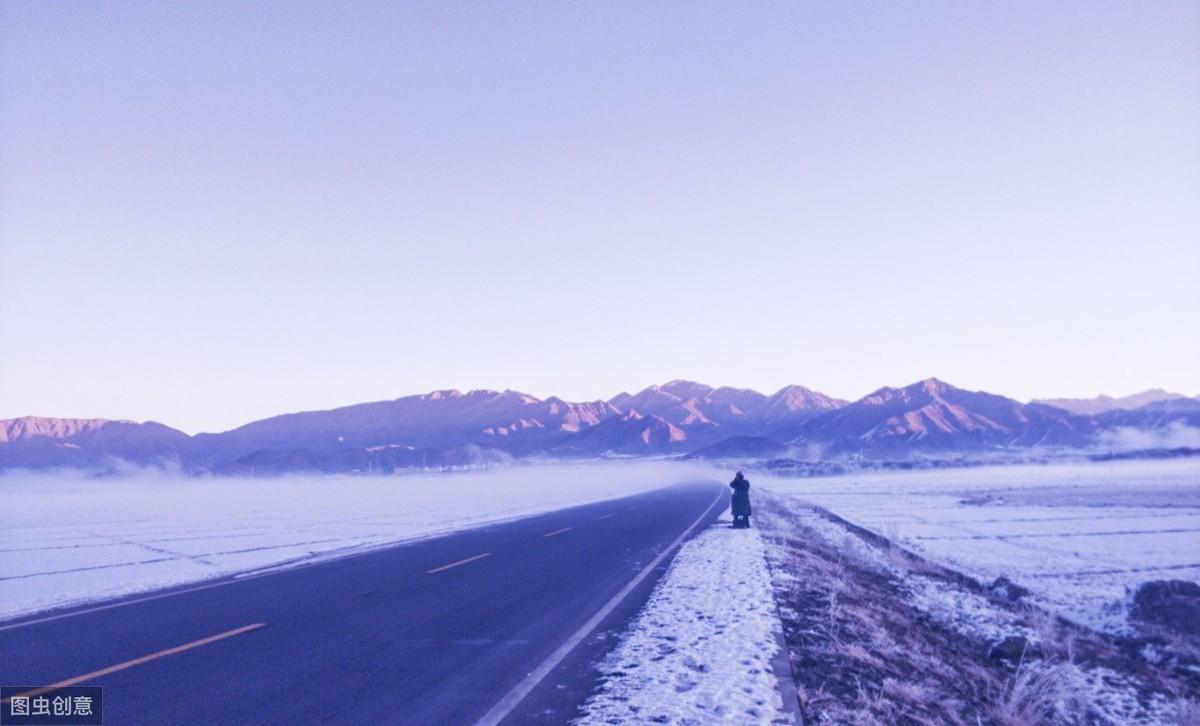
[(67, 540), (701, 649), (1081, 537), (877, 636)]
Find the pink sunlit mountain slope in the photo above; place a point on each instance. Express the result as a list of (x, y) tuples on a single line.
[(451, 428)]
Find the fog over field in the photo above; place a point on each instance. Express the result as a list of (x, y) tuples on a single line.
[(1079, 536), (67, 539)]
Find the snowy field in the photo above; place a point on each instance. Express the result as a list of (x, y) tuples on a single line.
[(67, 540), (701, 649), (1081, 537)]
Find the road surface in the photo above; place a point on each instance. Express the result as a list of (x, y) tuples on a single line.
[(500, 624)]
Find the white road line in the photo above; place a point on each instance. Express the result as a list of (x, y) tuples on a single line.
[(234, 578), (514, 697)]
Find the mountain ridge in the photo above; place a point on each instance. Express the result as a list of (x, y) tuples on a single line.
[(450, 427), (1102, 403)]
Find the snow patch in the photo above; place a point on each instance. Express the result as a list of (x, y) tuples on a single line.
[(1114, 697), (701, 650), (963, 611)]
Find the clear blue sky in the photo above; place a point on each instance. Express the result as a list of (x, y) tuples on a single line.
[(213, 212)]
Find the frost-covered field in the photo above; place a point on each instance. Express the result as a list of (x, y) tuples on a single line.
[(879, 637), (1081, 537), (67, 540)]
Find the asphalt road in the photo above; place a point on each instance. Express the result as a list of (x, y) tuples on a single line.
[(482, 624)]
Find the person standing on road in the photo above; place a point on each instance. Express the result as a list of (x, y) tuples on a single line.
[(741, 501)]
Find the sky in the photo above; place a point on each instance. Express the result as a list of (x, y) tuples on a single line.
[(216, 212)]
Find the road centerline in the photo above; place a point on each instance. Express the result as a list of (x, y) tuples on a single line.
[(459, 563), (557, 532)]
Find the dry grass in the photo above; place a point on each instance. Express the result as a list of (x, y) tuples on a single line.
[(1038, 693), (913, 693), (863, 653), (857, 652), (860, 656)]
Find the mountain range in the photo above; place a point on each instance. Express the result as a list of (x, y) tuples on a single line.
[(452, 428), (1101, 404)]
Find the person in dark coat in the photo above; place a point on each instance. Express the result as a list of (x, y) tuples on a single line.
[(741, 501)]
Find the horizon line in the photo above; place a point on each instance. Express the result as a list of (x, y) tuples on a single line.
[(468, 391)]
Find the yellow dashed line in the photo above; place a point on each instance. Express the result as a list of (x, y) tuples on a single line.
[(143, 659)]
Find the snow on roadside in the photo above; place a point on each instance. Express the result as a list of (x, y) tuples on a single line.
[(66, 540), (701, 649)]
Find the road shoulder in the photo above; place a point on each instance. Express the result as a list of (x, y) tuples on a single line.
[(704, 646)]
